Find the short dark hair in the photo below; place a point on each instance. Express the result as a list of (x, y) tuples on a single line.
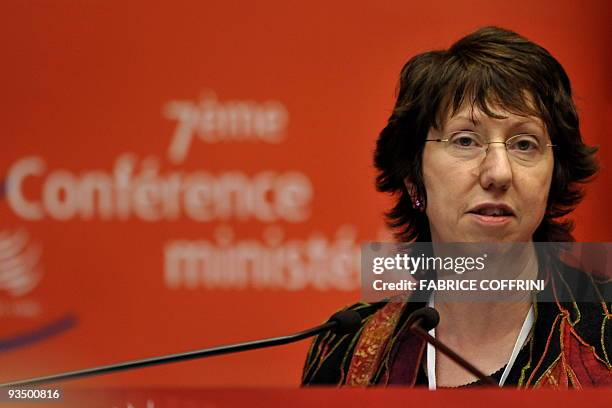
[(490, 67)]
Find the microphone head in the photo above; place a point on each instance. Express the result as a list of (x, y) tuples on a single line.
[(426, 317), (347, 321)]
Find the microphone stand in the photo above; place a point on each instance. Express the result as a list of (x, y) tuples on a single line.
[(415, 327), (343, 322)]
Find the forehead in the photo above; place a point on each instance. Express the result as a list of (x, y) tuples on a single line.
[(495, 114), (477, 104)]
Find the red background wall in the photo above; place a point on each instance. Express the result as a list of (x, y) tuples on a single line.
[(84, 83)]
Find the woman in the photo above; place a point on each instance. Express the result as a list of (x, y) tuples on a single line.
[(483, 145)]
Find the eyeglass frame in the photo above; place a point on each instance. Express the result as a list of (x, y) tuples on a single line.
[(450, 134)]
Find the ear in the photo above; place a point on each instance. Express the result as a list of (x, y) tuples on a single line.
[(415, 199), (410, 188)]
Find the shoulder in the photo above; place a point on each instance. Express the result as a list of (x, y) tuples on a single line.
[(573, 330), (591, 326), (329, 355)]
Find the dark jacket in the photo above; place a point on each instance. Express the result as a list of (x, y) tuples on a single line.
[(568, 347)]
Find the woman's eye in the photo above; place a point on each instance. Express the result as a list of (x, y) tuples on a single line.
[(465, 141), (524, 144)]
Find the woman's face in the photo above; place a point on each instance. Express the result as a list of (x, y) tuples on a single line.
[(497, 196)]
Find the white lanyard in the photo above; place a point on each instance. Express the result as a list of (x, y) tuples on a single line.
[(520, 341)]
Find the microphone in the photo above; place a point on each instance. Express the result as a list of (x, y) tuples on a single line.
[(423, 320), (343, 322), (346, 322), (426, 318)]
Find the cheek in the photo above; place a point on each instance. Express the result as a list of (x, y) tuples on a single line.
[(433, 178), (535, 194), (444, 180), (442, 183)]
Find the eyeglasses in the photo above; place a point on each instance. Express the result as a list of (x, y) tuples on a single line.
[(524, 148)]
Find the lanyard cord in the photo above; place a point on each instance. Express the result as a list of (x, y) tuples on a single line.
[(518, 345)]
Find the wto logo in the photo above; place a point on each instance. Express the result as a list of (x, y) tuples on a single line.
[(20, 274), (20, 270)]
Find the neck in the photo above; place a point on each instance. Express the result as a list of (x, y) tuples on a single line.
[(498, 319), (470, 322)]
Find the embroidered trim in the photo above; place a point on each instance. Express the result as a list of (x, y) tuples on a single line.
[(323, 341), (348, 352), (584, 343), (310, 359), (547, 374), (537, 367), (371, 344), (564, 364), (603, 343), (573, 302), (389, 348), (527, 366), (316, 358)]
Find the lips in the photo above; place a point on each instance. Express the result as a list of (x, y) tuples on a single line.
[(492, 210)]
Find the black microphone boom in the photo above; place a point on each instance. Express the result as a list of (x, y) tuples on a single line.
[(343, 322), (424, 319)]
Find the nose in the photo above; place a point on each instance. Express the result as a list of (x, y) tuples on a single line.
[(496, 169)]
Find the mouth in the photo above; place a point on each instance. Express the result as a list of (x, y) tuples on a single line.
[(491, 213), (492, 210)]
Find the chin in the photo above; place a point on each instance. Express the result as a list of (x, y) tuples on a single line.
[(491, 236)]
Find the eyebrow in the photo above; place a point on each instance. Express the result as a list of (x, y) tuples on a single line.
[(513, 125), (466, 118)]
